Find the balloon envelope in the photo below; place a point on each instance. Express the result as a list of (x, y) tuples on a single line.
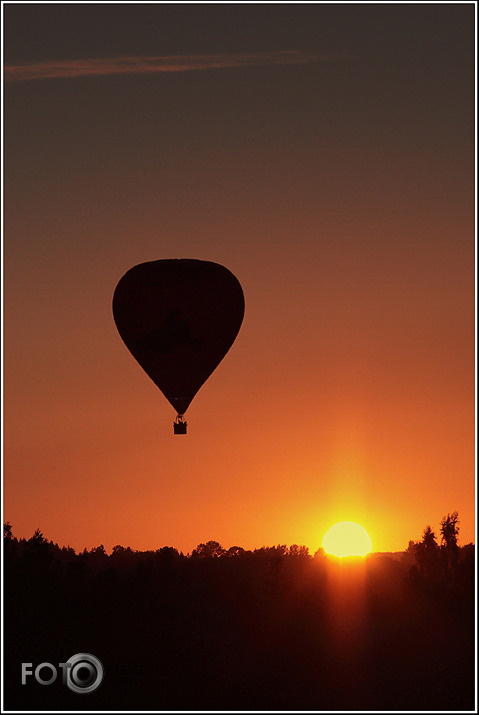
[(178, 318)]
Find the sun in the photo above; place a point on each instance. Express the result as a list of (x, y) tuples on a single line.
[(346, 538)]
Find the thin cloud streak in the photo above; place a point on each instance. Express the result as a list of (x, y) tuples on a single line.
[(149, 65)]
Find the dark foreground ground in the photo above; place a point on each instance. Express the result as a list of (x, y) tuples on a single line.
[(268, 630)]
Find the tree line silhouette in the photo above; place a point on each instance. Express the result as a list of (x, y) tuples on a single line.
[(273, 628)]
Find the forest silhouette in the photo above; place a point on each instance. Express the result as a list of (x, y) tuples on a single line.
[(273, 628)]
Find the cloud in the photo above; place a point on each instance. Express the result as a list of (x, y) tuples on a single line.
[(149, 65)]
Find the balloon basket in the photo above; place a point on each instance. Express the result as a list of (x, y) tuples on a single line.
[(179, 426)]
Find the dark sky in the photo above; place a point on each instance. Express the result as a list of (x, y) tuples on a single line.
[(440, 34)]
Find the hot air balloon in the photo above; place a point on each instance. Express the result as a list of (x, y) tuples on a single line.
[(178, 318)]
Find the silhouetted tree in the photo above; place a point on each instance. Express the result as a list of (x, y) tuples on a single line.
[(117, 549), (235, 551), (210, 550), (98, 551), (122, 557), (449, 532), (298, 551), (10, 543), (37, 545), (279, 550), (429, 539), (427, 555), (167, 555)]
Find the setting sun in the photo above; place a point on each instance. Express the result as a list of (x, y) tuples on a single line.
[(346, 538)]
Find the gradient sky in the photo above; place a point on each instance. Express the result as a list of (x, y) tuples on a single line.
[(325, 155)]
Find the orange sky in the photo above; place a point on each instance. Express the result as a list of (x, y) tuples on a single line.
[(341, 195)]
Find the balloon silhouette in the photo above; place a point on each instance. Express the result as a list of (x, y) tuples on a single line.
[(178, 318)]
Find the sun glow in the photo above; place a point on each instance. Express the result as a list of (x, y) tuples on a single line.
[(346, 538)]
